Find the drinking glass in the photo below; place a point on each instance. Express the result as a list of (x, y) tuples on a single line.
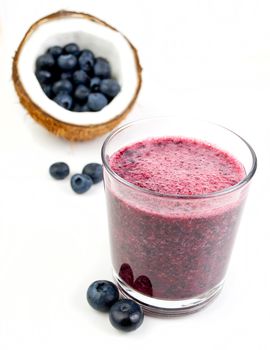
[(170, 252)]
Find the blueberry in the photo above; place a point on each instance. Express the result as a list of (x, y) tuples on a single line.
[(55, 51), (62, 86), (72, 48), (45, 61), (96, 101), (76, 107), (66, 75), (81, 183), (126, 315), (84, 108), (80, 77), (59, 170), (94, 170), (102, 68), (43, 76), (80, 108), (86, 60), (47, 90), (95, 84), (102, 294), (109, 87), (67, 62), (64, 100), (81, 93)]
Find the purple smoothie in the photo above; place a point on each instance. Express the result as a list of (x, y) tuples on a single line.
[(165, 246)]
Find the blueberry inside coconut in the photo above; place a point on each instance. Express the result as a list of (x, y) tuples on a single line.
[(67, 53)]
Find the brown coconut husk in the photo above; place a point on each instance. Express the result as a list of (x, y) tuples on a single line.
[(70, 132)]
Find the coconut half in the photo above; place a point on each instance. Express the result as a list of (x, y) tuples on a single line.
[(91, 33)]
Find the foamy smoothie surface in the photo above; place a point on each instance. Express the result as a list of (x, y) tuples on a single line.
[(174, 165)]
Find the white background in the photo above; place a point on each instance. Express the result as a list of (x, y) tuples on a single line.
[(208, 59)]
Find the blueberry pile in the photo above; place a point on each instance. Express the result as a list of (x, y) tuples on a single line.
[(76, 79), (80, 182), (124, 314)]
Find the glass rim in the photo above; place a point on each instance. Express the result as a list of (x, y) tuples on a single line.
[(226, 190)]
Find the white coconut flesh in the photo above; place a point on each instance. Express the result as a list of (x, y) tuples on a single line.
[(103, 42)]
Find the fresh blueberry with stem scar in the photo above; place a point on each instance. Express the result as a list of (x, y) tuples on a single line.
[(102, 68), (81, 183), (62, 86), (55, 51), (45, 62), (72, 48), (95, 84), (94, 170), (81, 93), (86, 60), (126, 315), (80, 77), (67, 62), (43, 76), (102, 294), (109, 87), (97, 101), (59, 170), (64, 100)]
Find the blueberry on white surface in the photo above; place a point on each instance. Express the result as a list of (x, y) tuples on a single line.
[(102, 294), (126, 315), (81, 183), (94, 170), (59, 170)]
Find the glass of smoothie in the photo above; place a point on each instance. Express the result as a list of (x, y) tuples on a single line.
[(175, 192)]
